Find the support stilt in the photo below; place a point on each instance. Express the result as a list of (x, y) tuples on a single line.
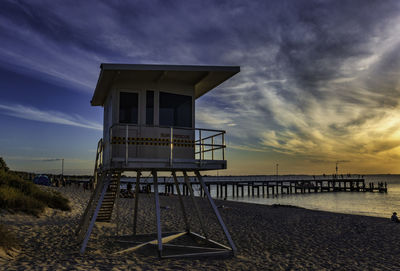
[(117, 201), (137, 188), (106, 182), (196, 207), (217, 214), (89, 209), (178, 190), (198, 245), (158, 216)]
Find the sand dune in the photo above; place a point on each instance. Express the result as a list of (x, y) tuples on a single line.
[(267, 237)]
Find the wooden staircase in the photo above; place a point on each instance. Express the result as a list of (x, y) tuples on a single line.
[(107, 205), (100, 205), (101, 202)]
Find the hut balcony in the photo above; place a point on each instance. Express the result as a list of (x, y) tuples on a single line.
[(133, 147)]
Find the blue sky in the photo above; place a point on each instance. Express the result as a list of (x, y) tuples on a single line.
[(319, 80)]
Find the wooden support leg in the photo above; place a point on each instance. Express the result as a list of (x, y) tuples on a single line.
[(178, 190), (93, 220), (216, 212), (196, 207), (137, 188), (158, 215)]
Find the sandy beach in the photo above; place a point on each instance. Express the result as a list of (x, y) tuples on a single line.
[(267, 238)]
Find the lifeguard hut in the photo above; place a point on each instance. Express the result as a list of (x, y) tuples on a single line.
[(149, 125)]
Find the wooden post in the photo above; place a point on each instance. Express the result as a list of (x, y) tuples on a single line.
[(226, 191), (263, 189)]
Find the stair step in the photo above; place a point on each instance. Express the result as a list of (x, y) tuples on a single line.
[(107, 206)]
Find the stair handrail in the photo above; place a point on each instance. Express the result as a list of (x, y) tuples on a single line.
[(98, 163)]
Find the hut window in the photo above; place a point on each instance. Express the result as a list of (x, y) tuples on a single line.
[(149, 107), (128, 107), (175, 110)]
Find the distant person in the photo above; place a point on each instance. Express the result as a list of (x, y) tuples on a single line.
[(129, 187), (394, 218)]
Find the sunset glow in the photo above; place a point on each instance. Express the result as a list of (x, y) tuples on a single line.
[(319, 80)]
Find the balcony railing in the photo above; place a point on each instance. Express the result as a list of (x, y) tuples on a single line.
[(208, 142), (205, 144)]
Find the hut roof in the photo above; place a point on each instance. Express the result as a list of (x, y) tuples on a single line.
[(203, 78)]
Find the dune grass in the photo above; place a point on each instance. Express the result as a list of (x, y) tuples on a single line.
[(18, 195)]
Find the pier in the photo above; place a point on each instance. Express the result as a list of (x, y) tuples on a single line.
[(223, 187)]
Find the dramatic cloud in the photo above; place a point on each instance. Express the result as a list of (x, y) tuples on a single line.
[(31, 113), (319, 81)]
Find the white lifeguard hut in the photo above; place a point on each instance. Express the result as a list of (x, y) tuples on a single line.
[(149, 125)]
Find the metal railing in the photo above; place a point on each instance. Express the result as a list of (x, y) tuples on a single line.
[(98, 162), (207, 144)]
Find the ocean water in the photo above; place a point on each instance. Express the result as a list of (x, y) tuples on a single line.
[(360, 203)]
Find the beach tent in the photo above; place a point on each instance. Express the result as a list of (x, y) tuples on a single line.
[(42, 180)]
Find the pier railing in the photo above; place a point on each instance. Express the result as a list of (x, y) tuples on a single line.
[(239, 186)]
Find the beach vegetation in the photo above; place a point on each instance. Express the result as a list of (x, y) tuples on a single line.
[(18, 195), (3, 165)]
